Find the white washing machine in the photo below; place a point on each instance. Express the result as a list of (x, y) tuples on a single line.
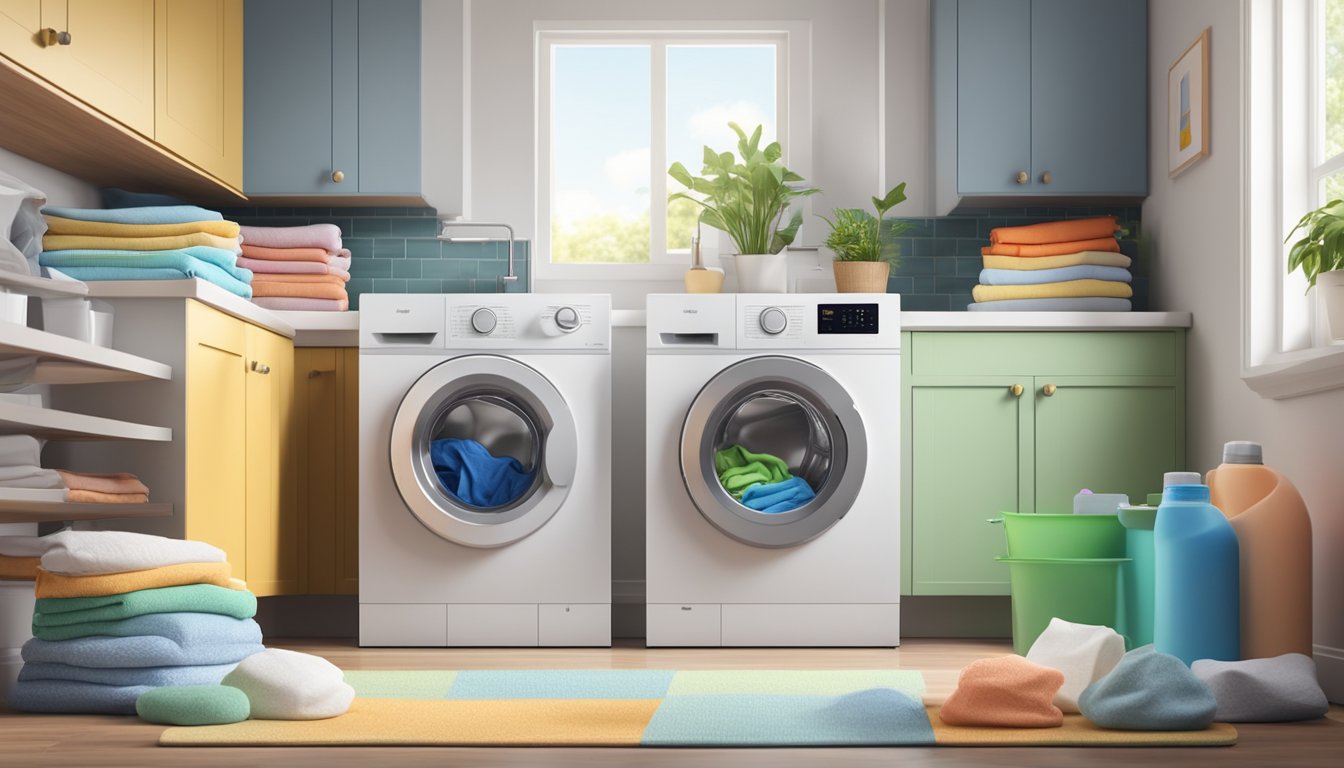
[(813, 380), (485, 470)]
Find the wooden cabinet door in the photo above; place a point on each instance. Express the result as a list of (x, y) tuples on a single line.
[(198, 84), (1089, 97), (1108, 434), (389, 97), (274, 548), (994, 88), (109, 63), (216, 443), (327, 406), (970, 454)]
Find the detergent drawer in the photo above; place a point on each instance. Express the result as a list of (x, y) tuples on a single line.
[(683, 624)]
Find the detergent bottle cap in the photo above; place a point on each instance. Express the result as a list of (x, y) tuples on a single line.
[(1242, 452), (1180, 478), (1186, 493)]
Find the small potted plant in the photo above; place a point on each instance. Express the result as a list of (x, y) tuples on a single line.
[(1320, 256), (864, 245), (747, 197)]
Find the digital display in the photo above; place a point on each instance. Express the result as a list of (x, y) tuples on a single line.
[(846, 318)]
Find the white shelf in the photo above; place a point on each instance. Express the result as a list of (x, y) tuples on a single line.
[(43, 287), (45, 423), (63, 360), (60, 511)]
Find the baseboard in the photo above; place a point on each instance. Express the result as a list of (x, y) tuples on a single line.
[(1330, 671), (956, 617)]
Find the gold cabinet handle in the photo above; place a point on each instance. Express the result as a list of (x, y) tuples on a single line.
[(260, 367), (1017, 390), (1046, 178), (316, 374), (338, 176), (1023, 177), (49, 37), (1049, 390)]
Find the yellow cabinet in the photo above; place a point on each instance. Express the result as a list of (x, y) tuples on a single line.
[(274, 551), (327, 424), (107, 60), (198, 83)]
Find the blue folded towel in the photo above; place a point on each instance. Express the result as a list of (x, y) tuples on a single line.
[(476, 477), (774, 498), (68, 697), (1083, 304), (208, 272), (154, 214), (155, 640), (209, 674), (1040, 276), (181, 259)]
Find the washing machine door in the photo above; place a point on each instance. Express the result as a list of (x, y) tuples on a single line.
[(483, 450), (788, 408)]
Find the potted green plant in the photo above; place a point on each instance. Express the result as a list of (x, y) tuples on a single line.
[(1320, 256), (865, 245), (747, 197)]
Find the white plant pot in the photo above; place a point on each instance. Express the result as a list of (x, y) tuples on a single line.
[(1330, 291), (762, 272)]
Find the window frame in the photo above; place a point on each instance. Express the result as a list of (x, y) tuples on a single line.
[(792, 119)]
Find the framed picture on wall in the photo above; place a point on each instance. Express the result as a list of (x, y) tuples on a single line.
[(1188, 107)]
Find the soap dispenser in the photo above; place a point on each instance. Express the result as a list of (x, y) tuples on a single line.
[(699, 278)]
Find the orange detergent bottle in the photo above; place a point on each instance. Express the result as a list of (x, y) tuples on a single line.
[(1274, 534)]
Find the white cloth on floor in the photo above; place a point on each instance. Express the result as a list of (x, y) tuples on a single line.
[(288, 685), (24, 546), (88, 553), (1083, 652)]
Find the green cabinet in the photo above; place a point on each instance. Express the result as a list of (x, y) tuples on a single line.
[(1021, 421)]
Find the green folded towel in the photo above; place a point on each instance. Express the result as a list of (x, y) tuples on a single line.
[(739, 469), (52, 612)]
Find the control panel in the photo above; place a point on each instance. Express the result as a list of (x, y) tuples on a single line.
[(847, 318)]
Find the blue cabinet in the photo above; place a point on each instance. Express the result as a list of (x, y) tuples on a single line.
[(1040, 99), (332, 98)]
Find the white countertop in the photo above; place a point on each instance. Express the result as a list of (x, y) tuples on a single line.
[(322, 329), (1000, 321)]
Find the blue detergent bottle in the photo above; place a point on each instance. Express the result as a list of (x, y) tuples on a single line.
[(1197, 612)]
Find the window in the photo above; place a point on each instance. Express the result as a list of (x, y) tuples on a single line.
[(615, 109)]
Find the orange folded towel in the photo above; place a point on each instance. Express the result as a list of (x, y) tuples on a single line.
[(56, 585), (299, 290), (1052, 249), (286, 254), (1005, 692), (19, 568), (117, 482), (1056, 231), (336, 278), (98, 497)]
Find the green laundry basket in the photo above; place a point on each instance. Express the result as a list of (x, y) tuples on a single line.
[(1083, 591), (1140, 587), (1068, 536)]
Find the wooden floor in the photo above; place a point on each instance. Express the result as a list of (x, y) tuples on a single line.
[(28, 740)]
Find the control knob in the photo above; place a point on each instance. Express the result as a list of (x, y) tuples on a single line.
[(566, 319), (483, 321), (773, 320)]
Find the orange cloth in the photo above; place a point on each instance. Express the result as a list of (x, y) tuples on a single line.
[(320, 255), (299, 290), (1056, 231), (118, 482), (1052, 249), (1005, 692), (337, 278), (81, 496), (56, 585), (19, 568)]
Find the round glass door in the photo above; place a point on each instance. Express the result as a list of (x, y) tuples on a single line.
[(773, 451)]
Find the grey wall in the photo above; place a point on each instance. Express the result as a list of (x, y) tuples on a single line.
[(60, 188)]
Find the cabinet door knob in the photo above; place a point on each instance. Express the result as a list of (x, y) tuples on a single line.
[(1049, 390), (1023, 177), (1046, 177), (338, 176), (260, 367), (63, 38), (1017, 390)]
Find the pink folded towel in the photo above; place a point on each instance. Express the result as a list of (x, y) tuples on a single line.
[(119, 482), (299, 304), (326, 236), (341, 262), (266, 253), (266, 266)]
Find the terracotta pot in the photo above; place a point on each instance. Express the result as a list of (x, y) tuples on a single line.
[(1330, 289), (861, 276)]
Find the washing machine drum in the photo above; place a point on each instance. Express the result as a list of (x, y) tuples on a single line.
[(483, 450), (795, 412)]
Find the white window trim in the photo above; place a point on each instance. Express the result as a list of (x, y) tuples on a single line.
[(793, 124), (1274, 139)]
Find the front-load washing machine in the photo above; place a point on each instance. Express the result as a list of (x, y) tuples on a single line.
[(773, 470), (485, 470)]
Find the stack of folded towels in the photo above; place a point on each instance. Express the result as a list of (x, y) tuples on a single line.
[(302, 268), (21, 464), (21, 467), (119, 613), (149, 243), (1072, 265)]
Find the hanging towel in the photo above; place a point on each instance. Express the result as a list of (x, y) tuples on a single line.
[(740, 469), (169, 243), (325, 236), (208, 272), (192, 598), (1086, 304), (56, 585), (60, 226), (185, 628), (68, 697), (1093, 258), (290, 303), (1056, 231), (19, 568), (159, 214), (475, 476), (1070, 289), (300, 290), (269, 267), (186, 639), (117, 482), (774, 498), (207, 674), (1063, 274), (97, 497), (1053, 249), (91, 553), (263, 253)]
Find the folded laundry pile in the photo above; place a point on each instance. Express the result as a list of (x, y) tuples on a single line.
[(114, 488), (145, 243), (1071, 265), (297, 267), (21, 464), (473, 475), (760, 481), (119, 613)]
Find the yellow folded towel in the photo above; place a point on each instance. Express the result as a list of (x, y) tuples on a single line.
[(83, 496), (169, 243), (61, 226), (1093, 258), (55, 585), (1069, 289), (19, 568)]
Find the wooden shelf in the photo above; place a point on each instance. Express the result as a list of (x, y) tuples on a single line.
[(60, 511), (63, 360), (16, 419)]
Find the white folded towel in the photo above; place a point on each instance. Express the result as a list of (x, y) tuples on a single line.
[(20, 451), (88, 553), (288, 685), (1083, 652), (24, 546), (29, 476)]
